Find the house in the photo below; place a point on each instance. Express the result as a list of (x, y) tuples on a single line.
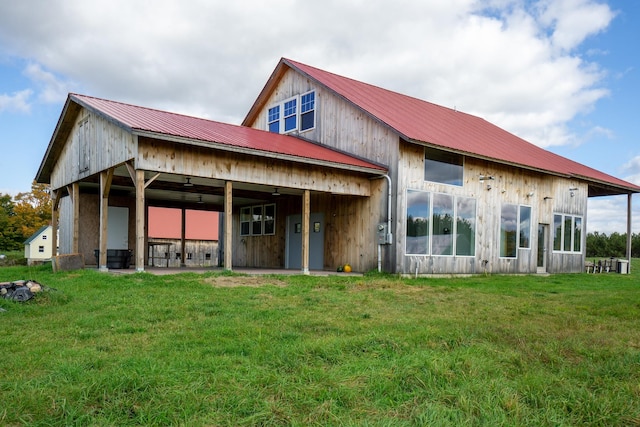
[(38, 247), (325, 170)]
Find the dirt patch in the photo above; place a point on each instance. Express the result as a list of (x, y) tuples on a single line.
[(249, 281)]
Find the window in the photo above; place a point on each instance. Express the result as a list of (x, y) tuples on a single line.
[(273, 120), (442, 239), (465, 226), (515, 229), (292, 114), (270, 219), (207, 256), (443, 167), (567, 233), (41, 249), (417, 223), (440, 224), (307, 111), (44, 237), (189, 255), (258, 220), (508, 231), (525, 227)]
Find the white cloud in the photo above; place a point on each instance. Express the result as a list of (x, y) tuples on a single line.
[(632, 170), (51, 88), (504, 60), (16, 102), (609, 214)]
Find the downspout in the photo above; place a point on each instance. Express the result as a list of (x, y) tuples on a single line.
[(389, 236)]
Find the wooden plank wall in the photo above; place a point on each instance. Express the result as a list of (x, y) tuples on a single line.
[(509, 186), (109, 145)]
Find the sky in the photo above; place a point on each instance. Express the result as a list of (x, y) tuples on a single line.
[(562, 74)]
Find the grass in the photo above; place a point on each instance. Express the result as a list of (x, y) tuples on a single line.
[(219, 349)]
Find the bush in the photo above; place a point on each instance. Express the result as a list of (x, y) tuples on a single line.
[(12, 258)]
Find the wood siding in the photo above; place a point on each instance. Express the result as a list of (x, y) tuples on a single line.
[(106, 146), (510, 185)]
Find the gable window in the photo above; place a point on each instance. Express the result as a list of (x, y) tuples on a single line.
[(44, 237), (292, 114), (440, 224), (257, 220), (41, 249), (443, 167), (308, 111), (273, 119), (567, 233)]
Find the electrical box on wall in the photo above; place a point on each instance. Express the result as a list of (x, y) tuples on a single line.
[(384, 236)]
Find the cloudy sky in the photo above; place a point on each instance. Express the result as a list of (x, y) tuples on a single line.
[(563, 74)]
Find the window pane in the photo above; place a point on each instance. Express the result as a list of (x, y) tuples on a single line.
[(307, 102), (307, 120), (269, 219), (443, 167), (508, 230), (274, 119), (290, 115), (568, 231), (245, 219), (557, 232), (525, 226), (466, 226), (307, 110), (417, 222), (577, 235), (256, 220), (442, 239)]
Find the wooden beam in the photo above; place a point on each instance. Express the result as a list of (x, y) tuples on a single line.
[(629, 216), (105, 185), (140, 221), (228, 225), (183, 231), (306, 213), (153, 178), (55, 205), (75, 197)]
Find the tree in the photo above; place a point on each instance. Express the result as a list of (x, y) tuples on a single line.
[(23, 216)]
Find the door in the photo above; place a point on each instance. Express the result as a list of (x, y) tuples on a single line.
[(542, 247), (118, 228), (293, 258)]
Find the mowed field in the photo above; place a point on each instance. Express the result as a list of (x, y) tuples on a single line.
[(190, 349)]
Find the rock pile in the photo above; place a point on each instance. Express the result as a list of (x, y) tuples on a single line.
[(20, 290)]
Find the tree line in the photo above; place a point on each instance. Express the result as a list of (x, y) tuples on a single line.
[(22, 215), (613, 245)]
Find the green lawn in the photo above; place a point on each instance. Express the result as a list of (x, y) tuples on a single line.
[(215, 349)]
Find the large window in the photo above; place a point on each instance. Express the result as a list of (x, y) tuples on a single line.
[(440, 224), (257, 220), (418, 213), (567, 233), (293, 114), (443, 167), (515, 229)]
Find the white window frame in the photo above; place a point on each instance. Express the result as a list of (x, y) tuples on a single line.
[(572, 243), (282, 116)]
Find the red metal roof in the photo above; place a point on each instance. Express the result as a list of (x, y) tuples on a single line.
[(143, 119), (422, 121)]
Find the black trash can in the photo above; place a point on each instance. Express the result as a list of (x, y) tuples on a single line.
[(116, 258)]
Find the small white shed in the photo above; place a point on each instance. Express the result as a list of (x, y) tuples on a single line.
[(37, 248)]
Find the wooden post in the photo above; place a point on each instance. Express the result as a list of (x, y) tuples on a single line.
[(105, 187), (140, 220), (55, 205), (629, 215), (306, 213), (228, 225), (183, 250), (75, 199)]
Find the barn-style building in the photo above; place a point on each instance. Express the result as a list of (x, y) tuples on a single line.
[(325, 170)]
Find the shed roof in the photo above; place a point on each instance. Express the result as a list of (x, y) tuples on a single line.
[(426, 123), (37, 234), (197, 131)]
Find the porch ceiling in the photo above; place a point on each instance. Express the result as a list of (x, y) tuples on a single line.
[(173, 190)]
